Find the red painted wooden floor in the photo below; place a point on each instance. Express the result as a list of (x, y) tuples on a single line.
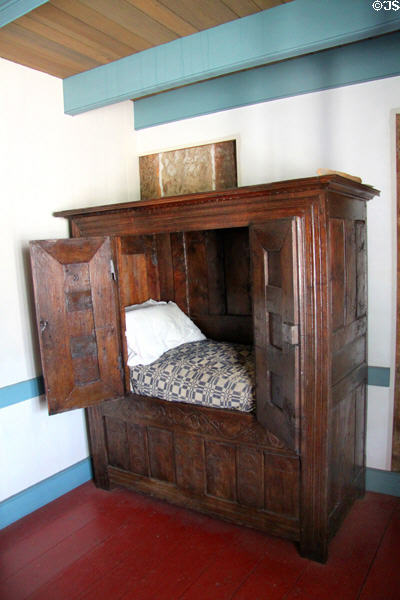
[(92, 544)]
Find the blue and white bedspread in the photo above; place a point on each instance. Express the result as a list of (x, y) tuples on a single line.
[(210, 373)]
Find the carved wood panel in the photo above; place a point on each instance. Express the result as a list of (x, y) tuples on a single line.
[(250, 476), (203, 466), (161, 454), (138, 455), (281, 485), (117, 442), (276, 264), (190, 462), (77, 318), (221, 470)]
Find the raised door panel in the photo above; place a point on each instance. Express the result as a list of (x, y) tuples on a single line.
[(78, 327), (276, 316)]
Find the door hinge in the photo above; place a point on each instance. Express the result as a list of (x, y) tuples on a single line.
[(112, 270)]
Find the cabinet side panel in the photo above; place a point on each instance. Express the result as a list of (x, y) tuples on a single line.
[(347, 252)]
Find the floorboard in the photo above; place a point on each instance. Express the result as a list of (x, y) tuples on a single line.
[(92, 544)]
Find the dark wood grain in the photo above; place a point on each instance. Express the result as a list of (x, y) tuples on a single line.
[(81, 366), (346, 425), (215, 273), (277, 366), (281, 485), (237, 271), (137, 442), (197, 272), (221, 470), (178, 250), (117, 440), (285, 263), (161, 454), (190, 462), (250, 476)]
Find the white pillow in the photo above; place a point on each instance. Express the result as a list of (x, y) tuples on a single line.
[(153, 327)]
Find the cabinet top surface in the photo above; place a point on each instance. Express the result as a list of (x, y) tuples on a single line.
[(313, 185)]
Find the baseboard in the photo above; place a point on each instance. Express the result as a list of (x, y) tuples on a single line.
[(383, 482), (45, 491)]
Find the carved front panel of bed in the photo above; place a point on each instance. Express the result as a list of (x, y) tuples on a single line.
[(280, 267), (221, 462)]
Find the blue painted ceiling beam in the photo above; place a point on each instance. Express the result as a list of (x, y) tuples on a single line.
[(345, 65), (283, 32), (10, 10)]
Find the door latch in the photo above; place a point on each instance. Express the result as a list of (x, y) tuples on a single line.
[(290, 334)]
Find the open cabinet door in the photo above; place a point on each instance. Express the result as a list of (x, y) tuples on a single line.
[(276, 310), (75, 299)]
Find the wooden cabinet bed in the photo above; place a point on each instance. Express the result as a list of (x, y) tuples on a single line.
[(281, 266)]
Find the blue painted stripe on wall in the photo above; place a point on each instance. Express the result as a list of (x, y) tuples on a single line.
[(18, 392), (379, 376), (272, 35), (32, 388), (383, 482), (359, 62), (10, 10), (45, 491)]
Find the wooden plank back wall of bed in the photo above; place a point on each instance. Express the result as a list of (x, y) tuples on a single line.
[(281, 266), (207, 273)]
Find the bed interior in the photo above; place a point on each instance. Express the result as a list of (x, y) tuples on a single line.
[(206, 273)]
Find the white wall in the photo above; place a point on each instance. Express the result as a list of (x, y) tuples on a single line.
[(48, 161), (348, 129)]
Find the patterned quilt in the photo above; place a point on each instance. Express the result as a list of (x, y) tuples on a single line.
[(216, 374)]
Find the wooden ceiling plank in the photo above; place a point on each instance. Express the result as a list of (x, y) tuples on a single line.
[(265, 4), (44, 47), (242, 8), (66, 41), (127, 15), (66, 24), (202, 15), (98, 21), (162, 14), (11, 49)]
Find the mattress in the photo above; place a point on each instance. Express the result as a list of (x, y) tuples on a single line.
[(208, 373)]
